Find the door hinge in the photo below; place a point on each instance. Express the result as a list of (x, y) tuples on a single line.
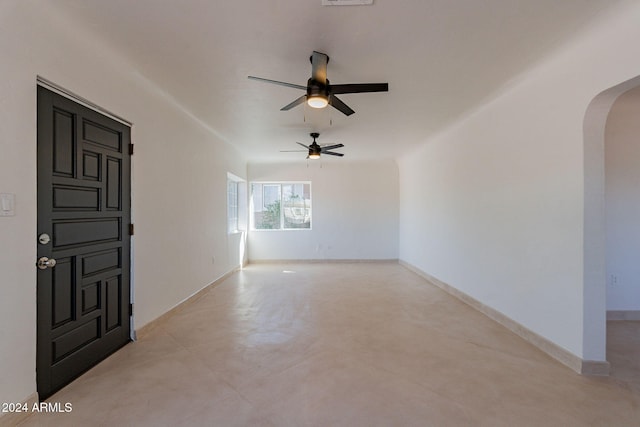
[(130, 229), (130, 310), (131, 149)]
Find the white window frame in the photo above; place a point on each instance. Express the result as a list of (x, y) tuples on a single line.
[(236, 212), (282, 222)]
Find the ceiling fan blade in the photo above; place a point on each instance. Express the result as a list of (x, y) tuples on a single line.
[(319, 67), (331, 153), (293, 151), (300, 143), (359, 88), (298, 101), (331, 147), (339, 105), (260, 79)]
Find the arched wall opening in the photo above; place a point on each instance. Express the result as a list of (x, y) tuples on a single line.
[(595, 279)]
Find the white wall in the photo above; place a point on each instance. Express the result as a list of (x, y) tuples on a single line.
[(622, 199), (495, 205), (354, 212), (179, 179)]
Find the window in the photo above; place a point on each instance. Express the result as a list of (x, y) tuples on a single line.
[(281, 205), (236, 204), (270, 195), (232, 204)]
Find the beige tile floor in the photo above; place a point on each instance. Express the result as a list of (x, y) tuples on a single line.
[(342, 345)]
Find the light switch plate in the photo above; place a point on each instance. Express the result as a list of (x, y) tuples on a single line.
[(7, 204)]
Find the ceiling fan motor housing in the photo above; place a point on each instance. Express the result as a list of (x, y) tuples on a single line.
[(314, 150), (315, 88)]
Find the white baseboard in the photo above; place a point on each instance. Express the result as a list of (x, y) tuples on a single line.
[(322, 261), (585, 367), (623, 315)]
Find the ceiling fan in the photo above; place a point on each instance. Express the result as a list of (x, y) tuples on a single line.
[(315, 150), (320, 92)]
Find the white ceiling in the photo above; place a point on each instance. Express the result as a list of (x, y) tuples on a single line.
[(441, 59)]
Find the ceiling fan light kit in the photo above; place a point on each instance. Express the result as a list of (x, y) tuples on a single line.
[(317, 101)]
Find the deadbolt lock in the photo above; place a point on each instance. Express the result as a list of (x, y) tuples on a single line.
[(44, 263)]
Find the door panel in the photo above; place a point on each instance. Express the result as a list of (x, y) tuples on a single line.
[(84, 206)]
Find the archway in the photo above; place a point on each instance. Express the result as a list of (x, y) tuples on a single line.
[(594, 268)]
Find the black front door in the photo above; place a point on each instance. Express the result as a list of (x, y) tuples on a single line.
[(84, 211)]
